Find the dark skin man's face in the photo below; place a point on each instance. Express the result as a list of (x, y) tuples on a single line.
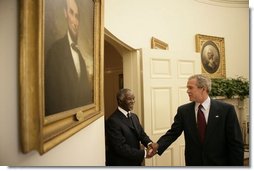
[(128, 102)]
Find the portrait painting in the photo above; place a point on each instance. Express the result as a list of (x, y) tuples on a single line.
[(69, 70), (212, 54), (61, 70), (210, 57)]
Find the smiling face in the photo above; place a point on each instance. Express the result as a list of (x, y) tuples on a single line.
[(72, 16), (128, 100)]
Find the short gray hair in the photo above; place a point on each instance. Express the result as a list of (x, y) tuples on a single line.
[(121, 94), (202, 81)]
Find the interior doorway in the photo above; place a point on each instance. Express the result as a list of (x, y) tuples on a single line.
[(117, 62), (113, 77)]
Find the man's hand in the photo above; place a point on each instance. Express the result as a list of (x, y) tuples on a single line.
[(152, 150)]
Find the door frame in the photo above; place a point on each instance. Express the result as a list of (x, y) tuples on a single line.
[(131, 69)]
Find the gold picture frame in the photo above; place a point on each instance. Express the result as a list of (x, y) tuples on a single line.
[(158, 44), (39, 131), (212, 52)]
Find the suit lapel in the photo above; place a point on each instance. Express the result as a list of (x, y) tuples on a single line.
[(134, 122), (214, 116), (125, 120), (193, 123), (213, 119)]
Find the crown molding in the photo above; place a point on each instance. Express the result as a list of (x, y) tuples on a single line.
[(227, 3)]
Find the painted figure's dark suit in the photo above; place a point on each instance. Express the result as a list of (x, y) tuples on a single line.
[(223, 145), (63, 89), (123, 140)]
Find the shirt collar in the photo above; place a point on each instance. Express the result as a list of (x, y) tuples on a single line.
[(69, 38), (205, 104), (123, 111)]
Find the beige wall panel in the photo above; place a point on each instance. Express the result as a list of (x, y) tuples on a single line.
[(161, 68), (161, 109), (166, 159), (185, 68)]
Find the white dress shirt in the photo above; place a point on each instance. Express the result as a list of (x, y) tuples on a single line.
[(205, 109), (75, 56)]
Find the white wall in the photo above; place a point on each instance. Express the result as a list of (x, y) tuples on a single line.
[(86, 148), (176, 22)]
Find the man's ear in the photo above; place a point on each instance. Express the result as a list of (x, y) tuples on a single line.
[(120, 102)]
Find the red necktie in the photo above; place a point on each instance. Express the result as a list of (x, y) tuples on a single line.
[(201, 124)]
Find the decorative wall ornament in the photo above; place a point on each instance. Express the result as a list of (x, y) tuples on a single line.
[(158, 44)]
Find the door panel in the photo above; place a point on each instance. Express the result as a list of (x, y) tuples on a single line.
[(165, 75)]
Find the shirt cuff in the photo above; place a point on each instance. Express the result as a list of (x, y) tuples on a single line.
[(149, 144)]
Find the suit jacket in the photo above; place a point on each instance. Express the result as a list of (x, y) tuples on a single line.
[(123, 140), (63, 89), (223, 145)]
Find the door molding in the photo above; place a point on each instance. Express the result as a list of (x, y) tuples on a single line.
[(131, 69)]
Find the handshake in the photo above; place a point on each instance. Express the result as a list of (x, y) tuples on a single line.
[(152, 150)]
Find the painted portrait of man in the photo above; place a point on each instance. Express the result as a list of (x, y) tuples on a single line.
[(210, 57), (69, 58)]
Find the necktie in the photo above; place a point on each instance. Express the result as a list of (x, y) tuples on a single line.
[(76, 58), (128, 115), (201, 124), (129, 118)]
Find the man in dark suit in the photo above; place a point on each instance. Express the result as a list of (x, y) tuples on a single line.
[(218, 142), (124, 134), (67, 83)]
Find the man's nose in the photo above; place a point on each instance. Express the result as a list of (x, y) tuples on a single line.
[(75, 20)]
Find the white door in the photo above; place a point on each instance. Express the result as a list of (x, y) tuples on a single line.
[(165, 75)]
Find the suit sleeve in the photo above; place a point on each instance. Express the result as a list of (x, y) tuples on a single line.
[(172, 134), (234, 139), (143, 137)]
